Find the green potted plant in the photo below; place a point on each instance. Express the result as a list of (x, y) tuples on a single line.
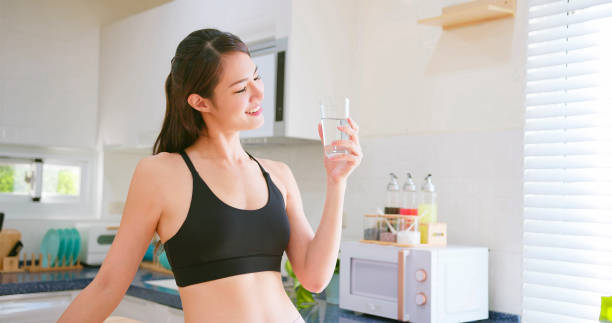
[(332, 289), (303, 297)]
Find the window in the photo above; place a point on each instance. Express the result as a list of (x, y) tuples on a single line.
[(60, 181), (15, 176), (48, 182), (567, 242)]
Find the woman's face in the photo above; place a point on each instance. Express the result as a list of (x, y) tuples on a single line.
[(240, 89)]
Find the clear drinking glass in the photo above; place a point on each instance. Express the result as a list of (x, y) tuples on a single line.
[(334, 113)]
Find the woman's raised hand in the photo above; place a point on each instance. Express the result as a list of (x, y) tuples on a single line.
[(340, 166)]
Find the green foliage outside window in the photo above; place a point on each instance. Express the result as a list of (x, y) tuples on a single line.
[(7, 179), (66, 183)]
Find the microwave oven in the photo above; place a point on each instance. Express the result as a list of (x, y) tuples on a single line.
[(418, 284)]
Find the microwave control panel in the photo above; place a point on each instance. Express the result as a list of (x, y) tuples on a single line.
[(417, 289)]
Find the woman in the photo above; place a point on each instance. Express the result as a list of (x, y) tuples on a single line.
[(224, 226)]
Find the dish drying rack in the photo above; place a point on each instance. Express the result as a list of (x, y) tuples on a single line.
[(11, 264)]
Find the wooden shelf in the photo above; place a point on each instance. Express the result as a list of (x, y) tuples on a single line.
[(472, 12)]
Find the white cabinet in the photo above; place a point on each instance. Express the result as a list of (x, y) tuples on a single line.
[(49, 81), (48, 307), (320, 60), (136, 53)]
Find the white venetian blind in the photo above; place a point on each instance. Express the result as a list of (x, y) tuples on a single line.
[(567, 255)]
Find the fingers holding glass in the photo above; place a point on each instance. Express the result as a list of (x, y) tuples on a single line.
[(353, 124), (352, 133), (348, 146)]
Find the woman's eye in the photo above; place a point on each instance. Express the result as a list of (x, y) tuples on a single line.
[(244, 89)]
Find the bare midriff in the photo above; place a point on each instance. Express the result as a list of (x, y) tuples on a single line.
[(254, 297)]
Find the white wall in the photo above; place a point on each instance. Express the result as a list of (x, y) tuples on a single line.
[(420, 79), (452, 102), (49, 72), (479, 197)]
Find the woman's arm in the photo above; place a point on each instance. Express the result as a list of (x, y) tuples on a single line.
[(313, 256), (138, 223)]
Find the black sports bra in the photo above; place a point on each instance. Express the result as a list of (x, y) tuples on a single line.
[(217, 240)]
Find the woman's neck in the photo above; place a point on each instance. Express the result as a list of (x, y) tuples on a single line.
[(224, 149)]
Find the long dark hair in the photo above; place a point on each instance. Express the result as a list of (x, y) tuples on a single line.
[(195, 68)]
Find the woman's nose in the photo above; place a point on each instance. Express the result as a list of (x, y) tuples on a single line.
[(258, 90)]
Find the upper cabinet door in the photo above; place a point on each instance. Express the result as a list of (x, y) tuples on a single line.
[(49, 75), (322, 44)]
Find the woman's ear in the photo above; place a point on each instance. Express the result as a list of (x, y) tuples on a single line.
[(199, 103)]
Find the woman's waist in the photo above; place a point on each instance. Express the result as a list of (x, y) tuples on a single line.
[(253, 295), (239, 288)]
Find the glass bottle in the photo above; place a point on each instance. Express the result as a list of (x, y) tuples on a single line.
[(393, 196), (428, 209), (409, 198)]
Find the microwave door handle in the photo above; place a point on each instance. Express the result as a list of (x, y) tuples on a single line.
[(401, 283)]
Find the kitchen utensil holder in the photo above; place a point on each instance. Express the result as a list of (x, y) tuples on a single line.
[(11, 265), (432, 234), (60, 264), (8, 238), (155, 265)]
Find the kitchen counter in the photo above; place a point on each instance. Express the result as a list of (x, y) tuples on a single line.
[(30, 282), (38, 282)]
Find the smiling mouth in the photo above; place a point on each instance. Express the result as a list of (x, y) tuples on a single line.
[(254, 111)]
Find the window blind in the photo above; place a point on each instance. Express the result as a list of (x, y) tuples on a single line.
[(567, 237)]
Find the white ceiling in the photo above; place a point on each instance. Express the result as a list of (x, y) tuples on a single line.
[(112, 10)]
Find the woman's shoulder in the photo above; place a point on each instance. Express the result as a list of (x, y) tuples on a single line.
[(279, 170), (162, 162), (160, 159), (278, 167)]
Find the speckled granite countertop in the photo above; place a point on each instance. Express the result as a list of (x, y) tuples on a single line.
[(29, 282), (37, 282)]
